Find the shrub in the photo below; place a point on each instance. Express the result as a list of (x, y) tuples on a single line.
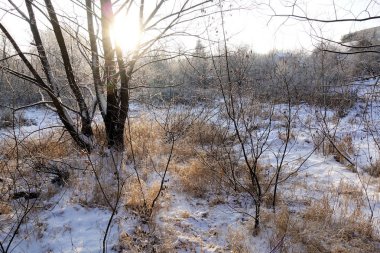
[(339, 101)]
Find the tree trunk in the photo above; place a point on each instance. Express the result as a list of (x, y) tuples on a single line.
[(82, 140), (84, 112)]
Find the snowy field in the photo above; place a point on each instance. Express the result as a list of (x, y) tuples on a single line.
[(217, 219)]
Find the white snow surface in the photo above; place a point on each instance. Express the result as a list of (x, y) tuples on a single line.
[(70, 227), (66, 227)]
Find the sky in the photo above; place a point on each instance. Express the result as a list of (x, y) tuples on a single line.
[(254, 25), (263, 32)]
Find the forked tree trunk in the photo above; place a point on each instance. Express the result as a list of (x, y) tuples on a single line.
[(116, 110)]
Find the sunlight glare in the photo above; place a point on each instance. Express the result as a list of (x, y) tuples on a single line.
[(126, 32)]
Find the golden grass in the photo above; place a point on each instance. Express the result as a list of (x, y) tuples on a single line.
[(204, 133), (5, 208), (319, 211), (195, 178), (322, 228), (237, 241), (143, 138), (135, 195), (146, 137), (50, 146)]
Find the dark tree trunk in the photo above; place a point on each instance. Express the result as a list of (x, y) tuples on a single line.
[(84, 112)]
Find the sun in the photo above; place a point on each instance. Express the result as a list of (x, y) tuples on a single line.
[(126, 32)]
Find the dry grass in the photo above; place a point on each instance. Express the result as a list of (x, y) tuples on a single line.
[(339, 148), (203, 133), (350, 189), (344, 147), (262, 173), (280, 222), (5, 208), (200, 136), (147, 150), (139, 241), (126, 243), (104, 194), (237, 241), (184, 214), (340, 101), (284, 137), (322, 228), (88, 192), (217, 200), (95, 183), (373, 168), (29, 165), (137, 196), (51, 145), (100, 135), (320, 211), (195, 178), (146, 138)]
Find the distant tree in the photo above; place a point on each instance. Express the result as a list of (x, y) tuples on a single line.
[(296, 11), (200, 65)]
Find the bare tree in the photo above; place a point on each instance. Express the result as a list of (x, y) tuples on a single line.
[(111, 68)]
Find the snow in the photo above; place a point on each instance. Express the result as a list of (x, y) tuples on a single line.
[(206, 225), (41, 119), (67, 227)]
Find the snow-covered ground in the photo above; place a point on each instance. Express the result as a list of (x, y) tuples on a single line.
[(213, 223), (65, 227)]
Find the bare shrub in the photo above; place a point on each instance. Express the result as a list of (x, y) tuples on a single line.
[(340, 101)]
